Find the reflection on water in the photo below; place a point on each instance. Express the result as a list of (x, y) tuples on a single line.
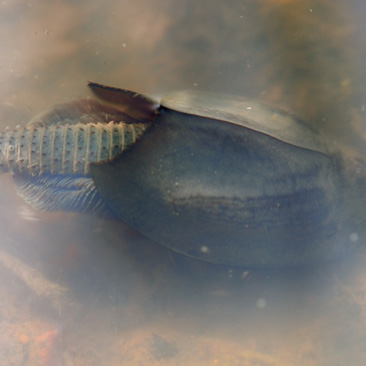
[(82, 291)]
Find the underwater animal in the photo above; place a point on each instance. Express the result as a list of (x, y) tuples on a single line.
[(218, 178)]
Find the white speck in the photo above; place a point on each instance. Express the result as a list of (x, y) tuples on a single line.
[(249, 108), (204, 249), (27, 214), (311, 10), (244, 275), (124, 45), (176, 183), (353, 237), (261, 303), (241, 16), (230, 273)]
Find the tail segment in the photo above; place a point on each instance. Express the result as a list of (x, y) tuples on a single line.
[(65, 149), (50, 158)]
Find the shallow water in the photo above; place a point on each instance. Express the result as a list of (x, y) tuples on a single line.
[(82, 291)]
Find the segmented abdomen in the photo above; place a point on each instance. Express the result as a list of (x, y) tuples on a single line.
[(65, 149)]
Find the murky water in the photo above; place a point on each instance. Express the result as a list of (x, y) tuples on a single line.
[(77, 290)]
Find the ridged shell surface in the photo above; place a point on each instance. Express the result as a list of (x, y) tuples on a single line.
[(65, 149)]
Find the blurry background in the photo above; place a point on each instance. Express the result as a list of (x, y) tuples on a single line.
[(81, 291)]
